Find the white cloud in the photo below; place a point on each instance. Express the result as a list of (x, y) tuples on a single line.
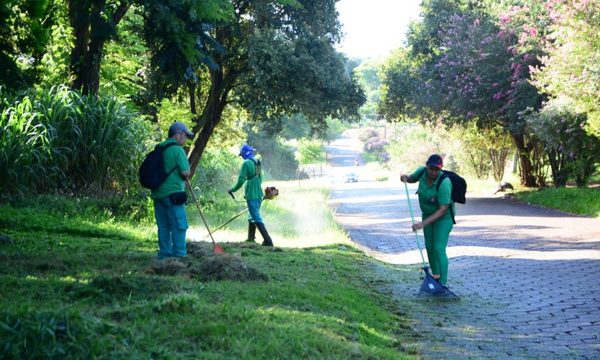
[(373, 28)]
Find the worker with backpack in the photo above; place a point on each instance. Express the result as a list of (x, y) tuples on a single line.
[(437, 191), (251, 175), (164, 171)]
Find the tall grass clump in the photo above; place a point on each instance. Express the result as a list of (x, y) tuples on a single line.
[(57, 140)]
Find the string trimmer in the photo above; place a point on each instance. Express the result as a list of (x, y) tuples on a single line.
[(430, 286)]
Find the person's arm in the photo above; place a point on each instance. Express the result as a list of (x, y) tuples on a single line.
[(407, 178), (441, 211), (414, 177), (183, 164), (241, 177), (444, 200)]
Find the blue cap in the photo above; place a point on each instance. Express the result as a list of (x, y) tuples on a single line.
[(246, 151), (178, 127)]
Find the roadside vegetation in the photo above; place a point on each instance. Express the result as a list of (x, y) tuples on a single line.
[(80, 281), (571, 199)]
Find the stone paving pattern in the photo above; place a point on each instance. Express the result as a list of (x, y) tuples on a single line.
[(527, 276)]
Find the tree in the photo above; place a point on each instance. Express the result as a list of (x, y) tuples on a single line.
[(24, 33), (464, 63), (368, 77), (94, 22), (277, 58), (572, 66), (572, 153)]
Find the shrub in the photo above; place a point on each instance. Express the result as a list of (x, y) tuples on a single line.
[(58, 140), (572, 153)]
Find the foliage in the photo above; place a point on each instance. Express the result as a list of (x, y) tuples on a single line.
[(178, 35), (57, 140), (335, 127), (310, 152), (374, 145), (405, 91), (573, 153), (53, 67), (473, 61), (412, 144), (482, 151), (24, 33), (278, 160), (367, 74), (301, 74), (368, 133), (295, 126), (278, 59), (571, 67), (125, 64), (216, 171), (581, 201)]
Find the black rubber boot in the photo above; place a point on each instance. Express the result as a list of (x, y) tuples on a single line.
[(263, 231), (251, 232)]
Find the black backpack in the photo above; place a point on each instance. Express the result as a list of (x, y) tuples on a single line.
[(152, 171), (459, 187)]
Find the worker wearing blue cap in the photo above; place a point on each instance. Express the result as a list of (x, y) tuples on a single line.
[(251, 175)]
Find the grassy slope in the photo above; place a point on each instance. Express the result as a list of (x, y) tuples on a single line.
[(73, 285), (578, 201)]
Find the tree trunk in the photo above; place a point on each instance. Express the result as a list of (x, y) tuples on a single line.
[(211, 115), (90, 36), (79, 17), (527, 177), (192, 95)]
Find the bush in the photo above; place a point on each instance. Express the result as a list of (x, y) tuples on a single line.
[(278, 160), (573, 153), (58, 140)]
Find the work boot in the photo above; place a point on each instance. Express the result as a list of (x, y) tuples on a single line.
[(267, 241), (251, 232)]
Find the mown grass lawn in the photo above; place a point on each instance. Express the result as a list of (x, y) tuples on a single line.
[(75, 284)]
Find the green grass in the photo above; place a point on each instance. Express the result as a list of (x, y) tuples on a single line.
[(74, 284), (581, 201)]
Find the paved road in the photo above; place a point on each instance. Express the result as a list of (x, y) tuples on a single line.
[(528, 277)]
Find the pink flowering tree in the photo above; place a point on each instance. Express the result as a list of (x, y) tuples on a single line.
[(571, 68)]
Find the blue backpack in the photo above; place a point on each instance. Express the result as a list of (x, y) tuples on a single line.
[(152, 171)]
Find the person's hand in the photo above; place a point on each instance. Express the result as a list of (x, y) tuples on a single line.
[(404, 178), (231, 194), (417, 226)]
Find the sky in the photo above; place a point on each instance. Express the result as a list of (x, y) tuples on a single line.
[(373, 28)]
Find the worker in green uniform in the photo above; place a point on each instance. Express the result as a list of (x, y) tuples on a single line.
[(169, 197), (251, 175), (436, 217)]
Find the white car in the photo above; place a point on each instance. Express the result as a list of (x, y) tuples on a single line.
[(351, 177)]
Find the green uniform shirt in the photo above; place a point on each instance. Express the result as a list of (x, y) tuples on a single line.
[(429, 197), (174, 157), (253, 190)]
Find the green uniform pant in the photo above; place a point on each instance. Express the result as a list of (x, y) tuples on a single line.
[(436, 241)]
